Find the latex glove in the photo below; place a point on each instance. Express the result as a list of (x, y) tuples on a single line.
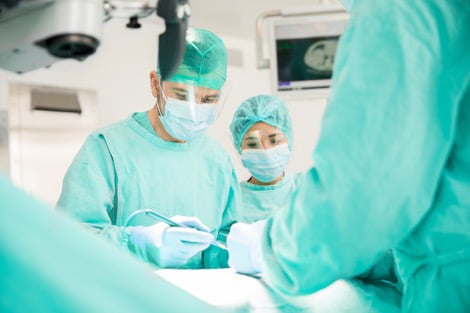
[(176, 245), (244, 247)]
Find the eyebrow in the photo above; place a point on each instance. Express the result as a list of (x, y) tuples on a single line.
[(275, 134), (250, 138), (183, 90), (179, 89)]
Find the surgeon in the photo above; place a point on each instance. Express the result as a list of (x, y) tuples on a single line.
[(261, 129), (392, 165), (162, 160)]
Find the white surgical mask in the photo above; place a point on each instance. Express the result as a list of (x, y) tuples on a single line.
[(266, 164), (185, 121)]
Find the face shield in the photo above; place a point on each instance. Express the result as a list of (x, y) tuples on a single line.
[(186, 110), (263, 139)]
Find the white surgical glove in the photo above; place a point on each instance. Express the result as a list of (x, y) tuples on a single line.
[(176, 245), (244, 247)]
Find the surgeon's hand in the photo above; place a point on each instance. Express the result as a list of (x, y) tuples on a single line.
[(244, 247), (176, 245)]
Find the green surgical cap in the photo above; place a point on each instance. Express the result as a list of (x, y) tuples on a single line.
[(262, 108), (204, 62)]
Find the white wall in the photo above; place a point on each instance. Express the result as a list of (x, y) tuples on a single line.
[(42, 143), (119, 74), (4, 142)]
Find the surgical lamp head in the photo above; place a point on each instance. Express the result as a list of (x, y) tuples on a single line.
[(37, 34)]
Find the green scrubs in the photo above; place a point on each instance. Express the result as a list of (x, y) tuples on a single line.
[(261, 202), (126, 167), (392, 164)]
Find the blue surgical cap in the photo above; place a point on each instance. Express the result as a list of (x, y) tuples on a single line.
[(262, 108), (204, 62)]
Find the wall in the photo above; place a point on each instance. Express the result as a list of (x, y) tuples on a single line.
[(119, 72), (4, 142), (42, 143)]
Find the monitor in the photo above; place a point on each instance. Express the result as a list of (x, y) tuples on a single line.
[(302, 52)]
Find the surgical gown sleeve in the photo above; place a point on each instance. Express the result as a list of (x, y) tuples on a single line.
[(50, 264), (89, 193), (88, 190), (400, 75)]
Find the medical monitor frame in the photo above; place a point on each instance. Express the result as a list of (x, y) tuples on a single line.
[(302, 51)]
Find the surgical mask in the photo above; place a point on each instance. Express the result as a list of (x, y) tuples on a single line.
[(185, 121), (266, 164)]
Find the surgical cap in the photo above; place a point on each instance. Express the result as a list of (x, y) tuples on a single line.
[(204, 62), (262, 108)]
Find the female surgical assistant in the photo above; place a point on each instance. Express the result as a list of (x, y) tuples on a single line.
[(262, 133)]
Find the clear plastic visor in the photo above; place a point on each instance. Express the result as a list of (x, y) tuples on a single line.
[(263, 139), (191, 101)]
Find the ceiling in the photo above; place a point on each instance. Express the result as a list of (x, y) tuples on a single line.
[(237, 18)]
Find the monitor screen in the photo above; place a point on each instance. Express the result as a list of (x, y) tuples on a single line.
[(303, 52), (305, 63)]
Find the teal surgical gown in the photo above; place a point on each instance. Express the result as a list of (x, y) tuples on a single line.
[(48, 263), (126, 167), (392, 164), (261, 202)]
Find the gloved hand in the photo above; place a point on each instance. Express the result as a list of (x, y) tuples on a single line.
[(244, 247), (176, 245)]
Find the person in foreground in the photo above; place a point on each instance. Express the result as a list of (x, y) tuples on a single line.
[(49, 263), (392, 165)]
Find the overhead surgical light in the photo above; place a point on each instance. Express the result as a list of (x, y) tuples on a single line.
[(38, 33)]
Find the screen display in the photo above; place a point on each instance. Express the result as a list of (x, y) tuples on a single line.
[(303, 50), (305, 63)]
